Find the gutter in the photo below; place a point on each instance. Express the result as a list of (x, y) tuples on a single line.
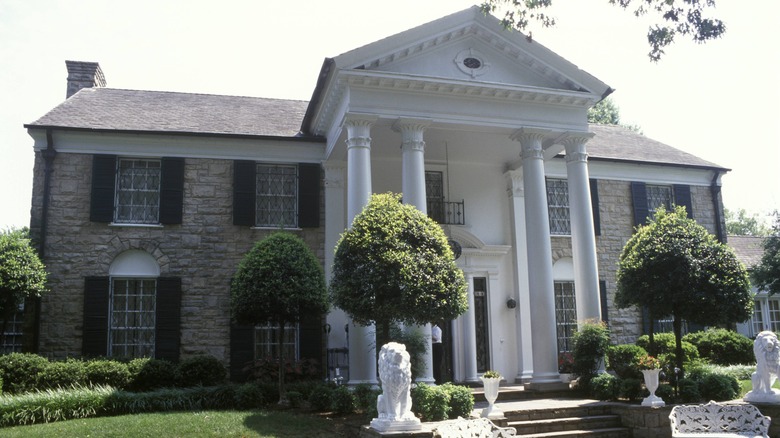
[(297, 138), (717, 206)]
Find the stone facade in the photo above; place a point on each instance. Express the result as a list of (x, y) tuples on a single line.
[(204, 251)]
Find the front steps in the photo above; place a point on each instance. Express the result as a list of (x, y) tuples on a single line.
[(581, 421)]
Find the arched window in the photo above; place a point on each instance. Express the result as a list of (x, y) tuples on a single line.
[(132, 304)]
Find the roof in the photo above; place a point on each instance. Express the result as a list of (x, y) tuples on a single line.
[(614, 142), (169, 112), (749, 249)]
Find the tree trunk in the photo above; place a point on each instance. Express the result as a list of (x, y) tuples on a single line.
[(280, 349), (678, 350), (383, 334), (651, 335)]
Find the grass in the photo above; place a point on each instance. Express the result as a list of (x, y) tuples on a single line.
[(255, 424)]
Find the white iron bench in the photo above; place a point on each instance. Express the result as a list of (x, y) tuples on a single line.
[(471, 428), (721, 420)]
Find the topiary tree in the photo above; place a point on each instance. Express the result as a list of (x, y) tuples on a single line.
[(673, 266), (394, 265), (22, 274), (281, 282)]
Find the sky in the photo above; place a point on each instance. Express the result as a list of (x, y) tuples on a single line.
[(719, 100)]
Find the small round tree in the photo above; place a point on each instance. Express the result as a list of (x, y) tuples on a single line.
[(767, 273), (395, 265), (281, 282), (22, 274), (673, 266)]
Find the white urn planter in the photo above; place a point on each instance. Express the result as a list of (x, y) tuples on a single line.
[(651, 382), (490, 385)]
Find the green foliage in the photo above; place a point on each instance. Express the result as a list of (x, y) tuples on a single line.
[(267, 370), (344, 401), (461, 400), (52, 405), (366, 396), (147, 374), (107, 373), (416, 346), (688, 390), (742, 223), (395, 265), (294, 398), (63, 374), (22, 273), (606, 112), (671, 18), (430, 403), (248, 396), (624, 359), (767, 273), (590, 344), (604, 387), (19, 371), (321, 398), (203, 370), (629, 388), (722, 347), (665, 391), (719, 387)]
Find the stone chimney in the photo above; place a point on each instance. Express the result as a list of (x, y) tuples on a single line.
[(83, 75)]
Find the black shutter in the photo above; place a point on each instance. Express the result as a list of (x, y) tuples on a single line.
[(310, 336), (101, 207), (594, 202), (603, 296), (171, 190), (168, 316), (244, 192), (639, 197), (95, 331), (308, 195), (682, 196), (242, 350)]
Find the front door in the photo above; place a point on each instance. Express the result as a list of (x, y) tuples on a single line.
[(481, 324)]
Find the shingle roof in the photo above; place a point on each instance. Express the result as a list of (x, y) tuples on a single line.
[(151, 111), (613, 142), (749, 249)]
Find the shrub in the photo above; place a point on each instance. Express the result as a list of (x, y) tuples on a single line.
[(665, 391), (430, 403), (629, 388), (149, 374), (107, 372), (269, 390), (722, 347), (604, 387), (366, 396), (63, 374), (203, 370), (344, 401), (248, 396), (688, 390), (267, 370), (53, 405), (665, 345), (304, 387), (461, 400), (624, 360), (19, 371), (590, 344), (719, 387), (294, 398), (321, 398)]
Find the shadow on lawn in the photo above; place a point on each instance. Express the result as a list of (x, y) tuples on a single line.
[(291, 423)]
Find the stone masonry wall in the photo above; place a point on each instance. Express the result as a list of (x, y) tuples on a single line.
[(204, 251)]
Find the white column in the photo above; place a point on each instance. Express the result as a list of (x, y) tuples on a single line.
[(335, 222), (413, 187), (540, 278), (523, 333), (362, 357), (583, 238), (469, 334)]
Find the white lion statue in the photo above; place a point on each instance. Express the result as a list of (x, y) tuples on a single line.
[(766, 348), (394, 405)]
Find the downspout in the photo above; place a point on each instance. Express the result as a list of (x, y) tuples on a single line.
[(717, 206)]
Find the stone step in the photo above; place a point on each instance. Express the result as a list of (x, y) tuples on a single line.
[(592, 422), (615, 432), (557, 412)]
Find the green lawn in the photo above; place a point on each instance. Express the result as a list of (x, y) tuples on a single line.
[(186, 424)]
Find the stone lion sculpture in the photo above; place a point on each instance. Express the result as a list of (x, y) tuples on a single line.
[(394, 405), (766, 348)]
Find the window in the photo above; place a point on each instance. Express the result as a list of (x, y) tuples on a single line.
[(647, 198), (434, 195), (137, 191), (132, 326), (12, 338), (277, 196), (267, 342), (558, 206), (758, 318), (659, 196), (565, 314)]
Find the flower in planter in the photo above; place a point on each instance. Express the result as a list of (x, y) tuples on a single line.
[(490, 374), (649, 363), (565, 362)]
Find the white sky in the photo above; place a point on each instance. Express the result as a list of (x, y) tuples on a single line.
[(718, 101)]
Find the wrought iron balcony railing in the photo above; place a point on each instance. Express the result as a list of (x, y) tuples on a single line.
[(447, 213)]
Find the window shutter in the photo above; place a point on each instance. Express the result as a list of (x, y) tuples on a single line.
[(308, 195), (310, 333), (244, 193), (682, 196), (594, 201), (242, 350), (95, 331), (639, 197), (168, 302), (603, 296), (101, 207), (171, 190)]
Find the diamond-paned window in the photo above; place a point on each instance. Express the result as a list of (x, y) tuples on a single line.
[(12, 338), (565, 314), (267, 341), (659, 196), (137, 192), (558, 206), (277, 196), (133, 310)]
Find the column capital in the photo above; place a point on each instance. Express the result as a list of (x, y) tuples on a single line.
[(359, 120), (574, 142), (359, 130), (525, 135), (515, 185), (406, 124)]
